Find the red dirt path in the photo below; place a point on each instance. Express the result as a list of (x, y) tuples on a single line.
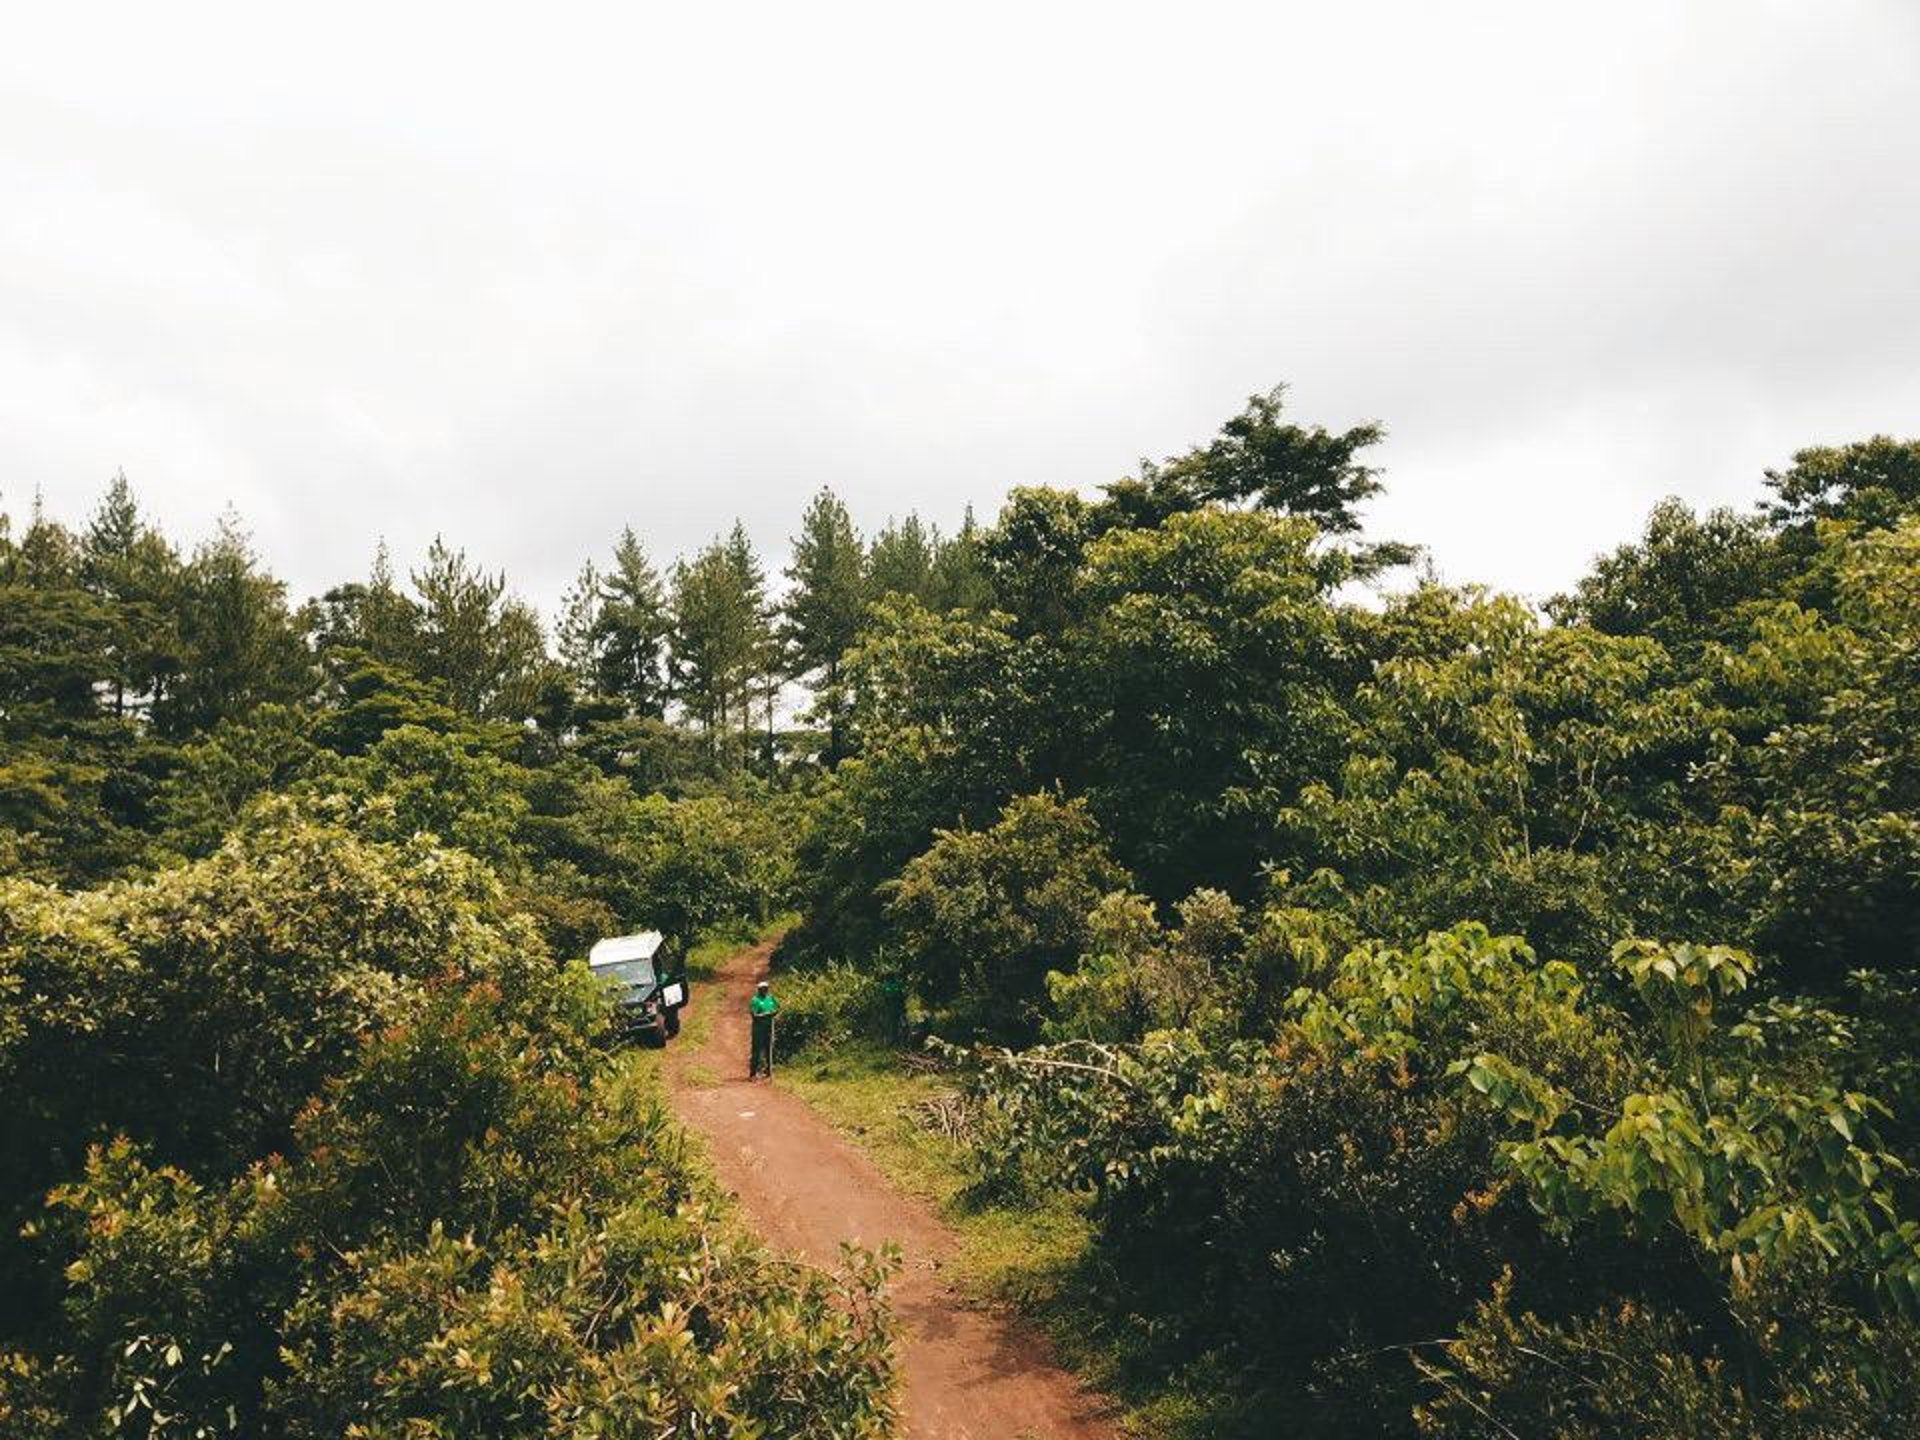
[(968, 1373)]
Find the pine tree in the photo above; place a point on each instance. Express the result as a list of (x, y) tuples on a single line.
[(901, 560), (132, 569), (959, 580), (238, 644), (761, 651), (111, 535), (722, 642), (825, 606), (389, 621), (370, 616), (629, 634), (484, 648), (47, 556), (700, 644), (574, 636)]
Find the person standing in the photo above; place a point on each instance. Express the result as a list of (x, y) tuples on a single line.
[(762, 1008)]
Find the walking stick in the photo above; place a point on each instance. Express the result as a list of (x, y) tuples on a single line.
[(773, 1034)]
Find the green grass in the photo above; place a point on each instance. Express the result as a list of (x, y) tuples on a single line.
[(1020, 1251), (716, 944), (1033, 1252)]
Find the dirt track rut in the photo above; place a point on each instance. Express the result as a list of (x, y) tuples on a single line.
[(968, 1373)]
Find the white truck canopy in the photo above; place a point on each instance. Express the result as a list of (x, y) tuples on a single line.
[(625, 947)]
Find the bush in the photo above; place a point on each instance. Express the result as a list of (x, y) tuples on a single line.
[(984, 915), (361, 1168), (836, 1004), (1454, 1121)]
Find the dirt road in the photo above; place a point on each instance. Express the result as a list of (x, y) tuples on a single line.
[(969, 1373)]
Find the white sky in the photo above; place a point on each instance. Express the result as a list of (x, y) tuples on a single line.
[(525, 274)]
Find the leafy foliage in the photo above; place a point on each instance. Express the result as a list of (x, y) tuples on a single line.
[(1259, 874), (1346, 1141), (983, 915), (309, 1129), (393, 1189)]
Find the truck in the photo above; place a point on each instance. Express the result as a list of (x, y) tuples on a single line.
[(651, 982)]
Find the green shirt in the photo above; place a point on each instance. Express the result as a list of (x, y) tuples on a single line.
[(763, 1006)]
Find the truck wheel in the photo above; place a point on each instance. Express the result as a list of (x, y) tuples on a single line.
[(672, 1020)]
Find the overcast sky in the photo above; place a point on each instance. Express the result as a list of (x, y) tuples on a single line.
[(526, 274)]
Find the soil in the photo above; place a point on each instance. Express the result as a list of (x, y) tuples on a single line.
[(968, 1372)]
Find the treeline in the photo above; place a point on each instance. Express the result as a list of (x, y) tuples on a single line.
[(149, 694), (1460, 1019), (118, 650), (309, 1127)]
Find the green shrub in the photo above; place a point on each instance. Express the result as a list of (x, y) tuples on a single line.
[(985, 915), (1326, 1213), (836, 1004), (361, 1167)]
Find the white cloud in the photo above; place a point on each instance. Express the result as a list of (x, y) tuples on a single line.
[(526, 276)]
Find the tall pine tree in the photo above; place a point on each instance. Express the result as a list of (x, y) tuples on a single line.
[(483, 647), (722, 642), (825, 605), (238, 644), (130, 567), (629, 636), (901, 560)]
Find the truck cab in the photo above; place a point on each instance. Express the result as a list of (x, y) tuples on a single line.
[(650, 981)]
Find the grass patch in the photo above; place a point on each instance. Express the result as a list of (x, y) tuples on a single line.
[(717, 943), (1032, 1252), (1020, 1251)]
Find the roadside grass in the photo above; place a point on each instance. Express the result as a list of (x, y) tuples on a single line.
[(1033, 1251), (717, 943), (1015, 1252)]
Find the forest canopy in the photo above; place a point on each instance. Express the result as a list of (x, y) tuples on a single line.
[(1456, 1016)]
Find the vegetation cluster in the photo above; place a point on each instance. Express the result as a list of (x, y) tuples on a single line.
[(1458, 1017), (311, 1126)]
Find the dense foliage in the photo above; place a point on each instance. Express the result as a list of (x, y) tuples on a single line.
[(310, 1125), (1460, 1017)]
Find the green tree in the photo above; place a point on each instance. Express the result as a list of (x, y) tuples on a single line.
[(483, 647), (901, 560), (216, 778), (1873, 482), (826, 599), (625, 642), (1683, 582), (1209, 672), (373, 617), (239, 646), (984, 915), (1502, 769), (959, 580), (722, 643), (767, 660), (573, 634), (1260, 459), (1033, 556), (129, 565)]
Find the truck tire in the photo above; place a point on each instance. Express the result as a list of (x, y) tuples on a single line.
[(671, 1019)]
